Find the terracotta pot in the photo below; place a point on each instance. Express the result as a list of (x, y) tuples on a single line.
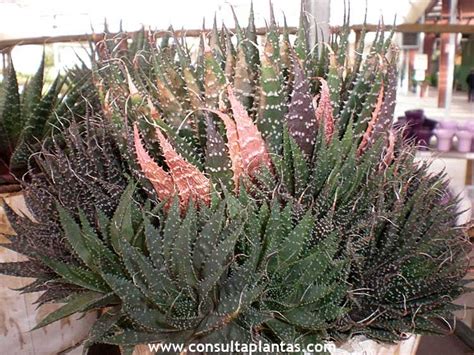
[(141, 350), (19, 314)]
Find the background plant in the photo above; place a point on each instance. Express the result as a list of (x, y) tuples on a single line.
[(35, 113)]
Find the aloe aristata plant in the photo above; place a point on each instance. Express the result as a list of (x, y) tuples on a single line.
[(34, 114), (269, 198)]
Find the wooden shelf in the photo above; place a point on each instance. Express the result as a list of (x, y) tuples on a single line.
[(426, 154), (469, 157)]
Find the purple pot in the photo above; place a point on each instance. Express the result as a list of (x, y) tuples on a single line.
[(467, 126), (415, 116), (451, 125), (464, 141), (445, 137), (429, 123), (402, 120), (423, 136)]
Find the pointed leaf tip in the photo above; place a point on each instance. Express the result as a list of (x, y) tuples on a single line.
[(233, 146), (300, 118), (160, 179), (252, 146), (190, 182), (324, 110), (373, 122)]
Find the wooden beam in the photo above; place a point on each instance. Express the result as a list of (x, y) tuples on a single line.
[(422, 27), (406, 27), (95, 37)]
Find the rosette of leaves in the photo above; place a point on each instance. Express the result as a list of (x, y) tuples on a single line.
[(230, 271), (282, 205), (325, 145), (85, 175), (36, 112)]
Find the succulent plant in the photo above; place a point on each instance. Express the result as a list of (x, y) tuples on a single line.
[(34, 114), (85, 175), (268, 198)]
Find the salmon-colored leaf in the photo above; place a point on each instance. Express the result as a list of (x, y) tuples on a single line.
[(324, 111), (252, 146), (190, 182), (370, 127), (160, 179)]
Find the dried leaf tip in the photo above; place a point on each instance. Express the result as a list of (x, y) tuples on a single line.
[(390, 151), (153, 111), (131, 86)]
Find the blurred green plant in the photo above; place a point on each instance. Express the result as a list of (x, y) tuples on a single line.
[(33, 114)]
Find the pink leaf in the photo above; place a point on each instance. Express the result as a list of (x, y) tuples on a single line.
[(191, 183), (370, 127), (160, 179), (252, 146), (324, 111)]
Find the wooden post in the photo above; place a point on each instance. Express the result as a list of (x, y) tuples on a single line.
[(443, 69), (319, 11), (443, 59), (451, 57), (446, 62), (6, 54), (428, 44), (358, 34)]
